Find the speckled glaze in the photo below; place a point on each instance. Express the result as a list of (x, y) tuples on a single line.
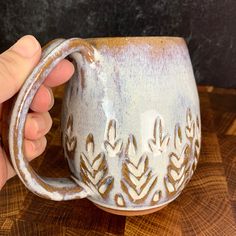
[(130, 122)]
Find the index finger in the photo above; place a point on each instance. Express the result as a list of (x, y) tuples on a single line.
[(60, 74), (43, 99)]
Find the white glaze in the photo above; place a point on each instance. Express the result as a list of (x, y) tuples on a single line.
[(136, 90), (145, 91)]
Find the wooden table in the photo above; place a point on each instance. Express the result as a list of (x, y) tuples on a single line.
[(207, 205)]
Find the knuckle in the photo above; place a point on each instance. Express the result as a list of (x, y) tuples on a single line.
[(47, 122), (30, 129), (7, 70)]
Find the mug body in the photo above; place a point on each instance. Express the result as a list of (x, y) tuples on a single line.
[(131, 122)]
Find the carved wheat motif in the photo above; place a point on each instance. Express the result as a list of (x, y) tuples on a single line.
[(138, 179), (156, 197), (196, 145), (192, 131), (198, 136), (159, 142), (119, 200), (177, 171), (190, 127), (70, 140), (94, 169), (112, 145)]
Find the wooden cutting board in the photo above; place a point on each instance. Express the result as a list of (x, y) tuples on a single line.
[(207, 205)]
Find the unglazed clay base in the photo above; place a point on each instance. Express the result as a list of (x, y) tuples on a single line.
[(130, 213)]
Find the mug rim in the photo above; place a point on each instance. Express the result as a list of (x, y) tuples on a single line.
[(137, 37), (121, 41)]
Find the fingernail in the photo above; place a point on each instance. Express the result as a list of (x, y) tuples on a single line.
[(51, 97), (26, 46)]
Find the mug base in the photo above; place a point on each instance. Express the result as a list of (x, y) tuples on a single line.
[(130, 213)]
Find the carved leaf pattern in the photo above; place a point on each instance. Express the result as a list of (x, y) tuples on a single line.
[(156, 197), (119, 200), (112, 145), (196, 145), (94, 169), (138, 178), (190, 128), (139, 169), (70, 140), (177, 171), (194, 135), (159, 143)]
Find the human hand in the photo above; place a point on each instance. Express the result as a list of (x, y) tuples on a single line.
[(15, 65)]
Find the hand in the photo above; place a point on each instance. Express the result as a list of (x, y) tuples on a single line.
[(15, 65)]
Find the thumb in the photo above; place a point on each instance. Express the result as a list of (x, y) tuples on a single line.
[(16, 64)]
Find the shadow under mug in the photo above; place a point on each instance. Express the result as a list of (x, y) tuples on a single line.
[(130, 123)]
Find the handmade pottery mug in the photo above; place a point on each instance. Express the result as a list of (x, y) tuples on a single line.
[(130, 123)]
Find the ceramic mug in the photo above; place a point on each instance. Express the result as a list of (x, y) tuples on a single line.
[(130, 123)]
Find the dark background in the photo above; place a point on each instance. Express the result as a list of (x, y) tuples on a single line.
[(208, 26)]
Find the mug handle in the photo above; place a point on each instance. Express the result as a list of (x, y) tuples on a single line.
[(50, 188)]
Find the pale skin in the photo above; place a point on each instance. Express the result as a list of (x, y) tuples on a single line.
[(15, 65)]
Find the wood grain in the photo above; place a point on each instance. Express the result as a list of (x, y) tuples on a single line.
[(207, 205)]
